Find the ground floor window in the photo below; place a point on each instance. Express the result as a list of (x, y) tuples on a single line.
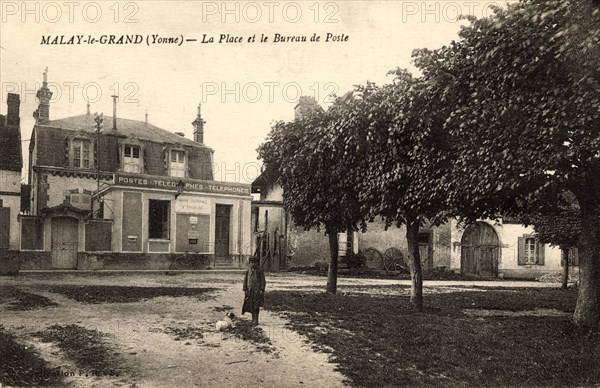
[(158, 223), (530, 250)]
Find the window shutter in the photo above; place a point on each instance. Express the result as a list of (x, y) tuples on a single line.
[(66, 151), (355, 242), (143, 168), (521, 251), (574, 253), (540, 252)]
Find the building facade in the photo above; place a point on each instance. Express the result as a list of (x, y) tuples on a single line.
[(11, 163), (481, 249), (128, 196)]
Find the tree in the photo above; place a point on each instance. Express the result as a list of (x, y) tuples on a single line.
[(316, 192), (393, 138), (559, 225), (525, 119)]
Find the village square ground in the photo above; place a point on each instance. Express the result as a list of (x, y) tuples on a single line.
[(158, 329)]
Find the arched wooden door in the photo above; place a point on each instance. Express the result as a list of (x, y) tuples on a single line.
[(65, 240), (480, 248)]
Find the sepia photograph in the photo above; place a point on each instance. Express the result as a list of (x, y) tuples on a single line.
[(308, 193)]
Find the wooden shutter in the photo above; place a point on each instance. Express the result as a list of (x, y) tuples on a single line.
[(540, 252), (521, 251), (67, 152), (574, 257), (4, 228)]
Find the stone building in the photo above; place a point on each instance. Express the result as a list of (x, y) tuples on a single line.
[(131, 196), (11, 163)]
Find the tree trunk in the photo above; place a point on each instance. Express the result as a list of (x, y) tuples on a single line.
[(587, 310), (565, 275), (333, 263), (414, 263)]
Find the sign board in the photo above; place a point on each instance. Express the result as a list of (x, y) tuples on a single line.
[(190, 185), (193, 205), (193, 220)]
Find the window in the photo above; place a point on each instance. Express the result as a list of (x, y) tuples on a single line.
[(81, 201), (81, 153), (530, 251), (347, 243), (158, 223), (177, 165), (131, 159)]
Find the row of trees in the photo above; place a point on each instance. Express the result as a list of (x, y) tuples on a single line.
[(503, 121)]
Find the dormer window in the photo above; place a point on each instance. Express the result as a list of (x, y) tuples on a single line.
[(177, 165), (131, 159), (81, 153)]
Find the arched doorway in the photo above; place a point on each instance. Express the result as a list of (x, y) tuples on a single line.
[(65, 240), (480, 250)]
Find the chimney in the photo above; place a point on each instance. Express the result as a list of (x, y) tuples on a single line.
[(12, 116), (114, 112), (42, 114), (306, 106), (199, 126)]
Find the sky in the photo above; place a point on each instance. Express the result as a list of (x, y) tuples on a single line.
[(243, 86)]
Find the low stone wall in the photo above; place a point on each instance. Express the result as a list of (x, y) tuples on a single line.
[(41, 260), (35, 260), (9, 262), (142, 261)]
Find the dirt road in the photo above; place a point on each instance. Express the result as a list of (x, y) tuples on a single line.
[(141, 329)]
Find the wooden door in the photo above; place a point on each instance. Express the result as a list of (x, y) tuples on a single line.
[(222, 224), (480, 248), (65, 240)]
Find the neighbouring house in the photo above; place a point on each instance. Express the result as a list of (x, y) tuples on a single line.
[(11, 163), (131, 196), (485, 248), (503, 248)]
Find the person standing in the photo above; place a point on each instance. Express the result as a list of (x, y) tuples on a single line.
[(254, 289)]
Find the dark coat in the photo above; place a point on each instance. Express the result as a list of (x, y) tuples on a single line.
[(254, 288)]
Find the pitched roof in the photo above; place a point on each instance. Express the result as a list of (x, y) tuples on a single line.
[(10, 147), (130, 128)]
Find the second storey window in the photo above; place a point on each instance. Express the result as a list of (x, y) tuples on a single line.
[(177, 165), (131, 159), (81, 153)]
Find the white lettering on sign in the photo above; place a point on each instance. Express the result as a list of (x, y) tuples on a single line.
[(193, 220), (192, 186), (186, 204)]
